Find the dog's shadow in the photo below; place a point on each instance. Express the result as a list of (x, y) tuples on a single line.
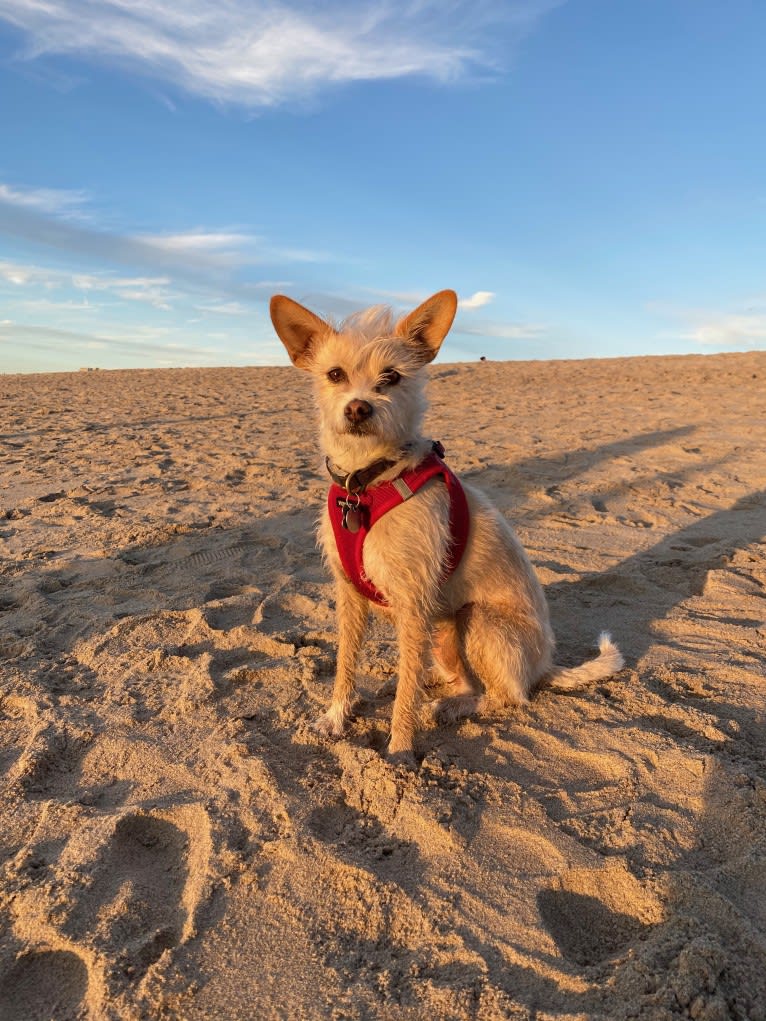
[(631, 599), (637, 593)]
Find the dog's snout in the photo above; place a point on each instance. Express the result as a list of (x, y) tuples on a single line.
[(357, 411)]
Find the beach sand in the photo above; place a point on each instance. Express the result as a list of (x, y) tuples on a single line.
[(176, 841)]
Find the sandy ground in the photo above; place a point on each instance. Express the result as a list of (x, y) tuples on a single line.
[(175, 840)]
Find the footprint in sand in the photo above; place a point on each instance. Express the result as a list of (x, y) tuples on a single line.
[(46, 985), (37, 755), (136, 906), (592, 914)]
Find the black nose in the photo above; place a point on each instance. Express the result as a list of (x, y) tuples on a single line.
[(357, 411)]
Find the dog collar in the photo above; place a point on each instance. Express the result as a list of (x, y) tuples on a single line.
[(357, 481)]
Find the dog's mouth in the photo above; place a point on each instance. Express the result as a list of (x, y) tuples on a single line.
[(365, 428)]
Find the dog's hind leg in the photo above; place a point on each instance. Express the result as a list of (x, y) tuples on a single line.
[(460, 699), (352, 609), (507, 651)]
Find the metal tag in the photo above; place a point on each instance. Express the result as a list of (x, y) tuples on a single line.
[(352, 519)]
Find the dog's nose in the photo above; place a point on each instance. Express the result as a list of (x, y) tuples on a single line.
[(357, 411)]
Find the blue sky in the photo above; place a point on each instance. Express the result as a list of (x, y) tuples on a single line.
[(589, 176)]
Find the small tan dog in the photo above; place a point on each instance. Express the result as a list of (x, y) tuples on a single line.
[(481, 622)]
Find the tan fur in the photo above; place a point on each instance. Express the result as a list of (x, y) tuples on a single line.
[(485, 629)]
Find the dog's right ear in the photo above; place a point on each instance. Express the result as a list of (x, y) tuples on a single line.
[(297, 328)]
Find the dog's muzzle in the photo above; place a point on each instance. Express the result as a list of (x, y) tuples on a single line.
[(358, 414)]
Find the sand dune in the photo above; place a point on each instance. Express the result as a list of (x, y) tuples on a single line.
[(176, 841)]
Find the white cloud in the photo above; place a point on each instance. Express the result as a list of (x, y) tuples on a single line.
[(142, 341), (729, 331), (740, 329), (477, 299), (203, 258), (153, 291), (45, 200), (260, 54), (227, 248), (198, 241), (46, 305), (504, 331), (225, 308), (18, 275)]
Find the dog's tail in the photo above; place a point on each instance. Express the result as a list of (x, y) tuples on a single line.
[(608, 662)]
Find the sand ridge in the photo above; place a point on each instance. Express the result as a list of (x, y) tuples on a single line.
[(177, 842)]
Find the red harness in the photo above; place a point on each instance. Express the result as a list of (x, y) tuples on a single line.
[(353, 514)]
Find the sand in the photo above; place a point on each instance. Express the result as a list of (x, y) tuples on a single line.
[(176, 842)]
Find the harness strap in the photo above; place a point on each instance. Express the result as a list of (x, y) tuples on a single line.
[(373, 503)]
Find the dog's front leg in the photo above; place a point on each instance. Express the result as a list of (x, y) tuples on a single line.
[(414, 635), (352, 610)]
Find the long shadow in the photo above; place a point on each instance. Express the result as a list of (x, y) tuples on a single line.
[(540, 470), (644, 588)]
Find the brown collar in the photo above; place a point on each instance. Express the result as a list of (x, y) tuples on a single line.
[(356, 482)]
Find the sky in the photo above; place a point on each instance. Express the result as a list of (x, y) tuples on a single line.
[(588, 175)]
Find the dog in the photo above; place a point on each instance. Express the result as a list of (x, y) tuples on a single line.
[(439, 559)]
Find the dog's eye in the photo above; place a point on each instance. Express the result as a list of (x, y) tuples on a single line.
[(336, 375), (390, 377)]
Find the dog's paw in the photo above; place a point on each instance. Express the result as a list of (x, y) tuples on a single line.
[(400, 752), (331, 724), (443, 711), (404, 760)]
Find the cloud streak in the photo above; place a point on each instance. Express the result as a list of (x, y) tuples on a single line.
[(150, 290), (47, 338), (261, 54), (208, 259), (729, 331), (741, 329), (45, 200), (503, 331)]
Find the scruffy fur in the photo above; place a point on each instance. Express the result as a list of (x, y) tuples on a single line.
[(485, 629)]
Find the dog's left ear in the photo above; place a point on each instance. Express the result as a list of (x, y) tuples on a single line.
[(429, 324), (298, 329)]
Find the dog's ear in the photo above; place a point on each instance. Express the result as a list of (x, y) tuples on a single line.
[(297, 328), (429, 324)]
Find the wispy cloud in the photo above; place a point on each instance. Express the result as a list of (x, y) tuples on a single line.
[(261, 54), (150, 290), (224, 308), (206, 257), (742, 328), (227, 244), (729, 331), (46, 200), (229, 248), (143, 342), (503, 331), (476, 300)]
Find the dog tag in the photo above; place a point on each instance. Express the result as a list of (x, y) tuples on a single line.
[(352, 519)]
